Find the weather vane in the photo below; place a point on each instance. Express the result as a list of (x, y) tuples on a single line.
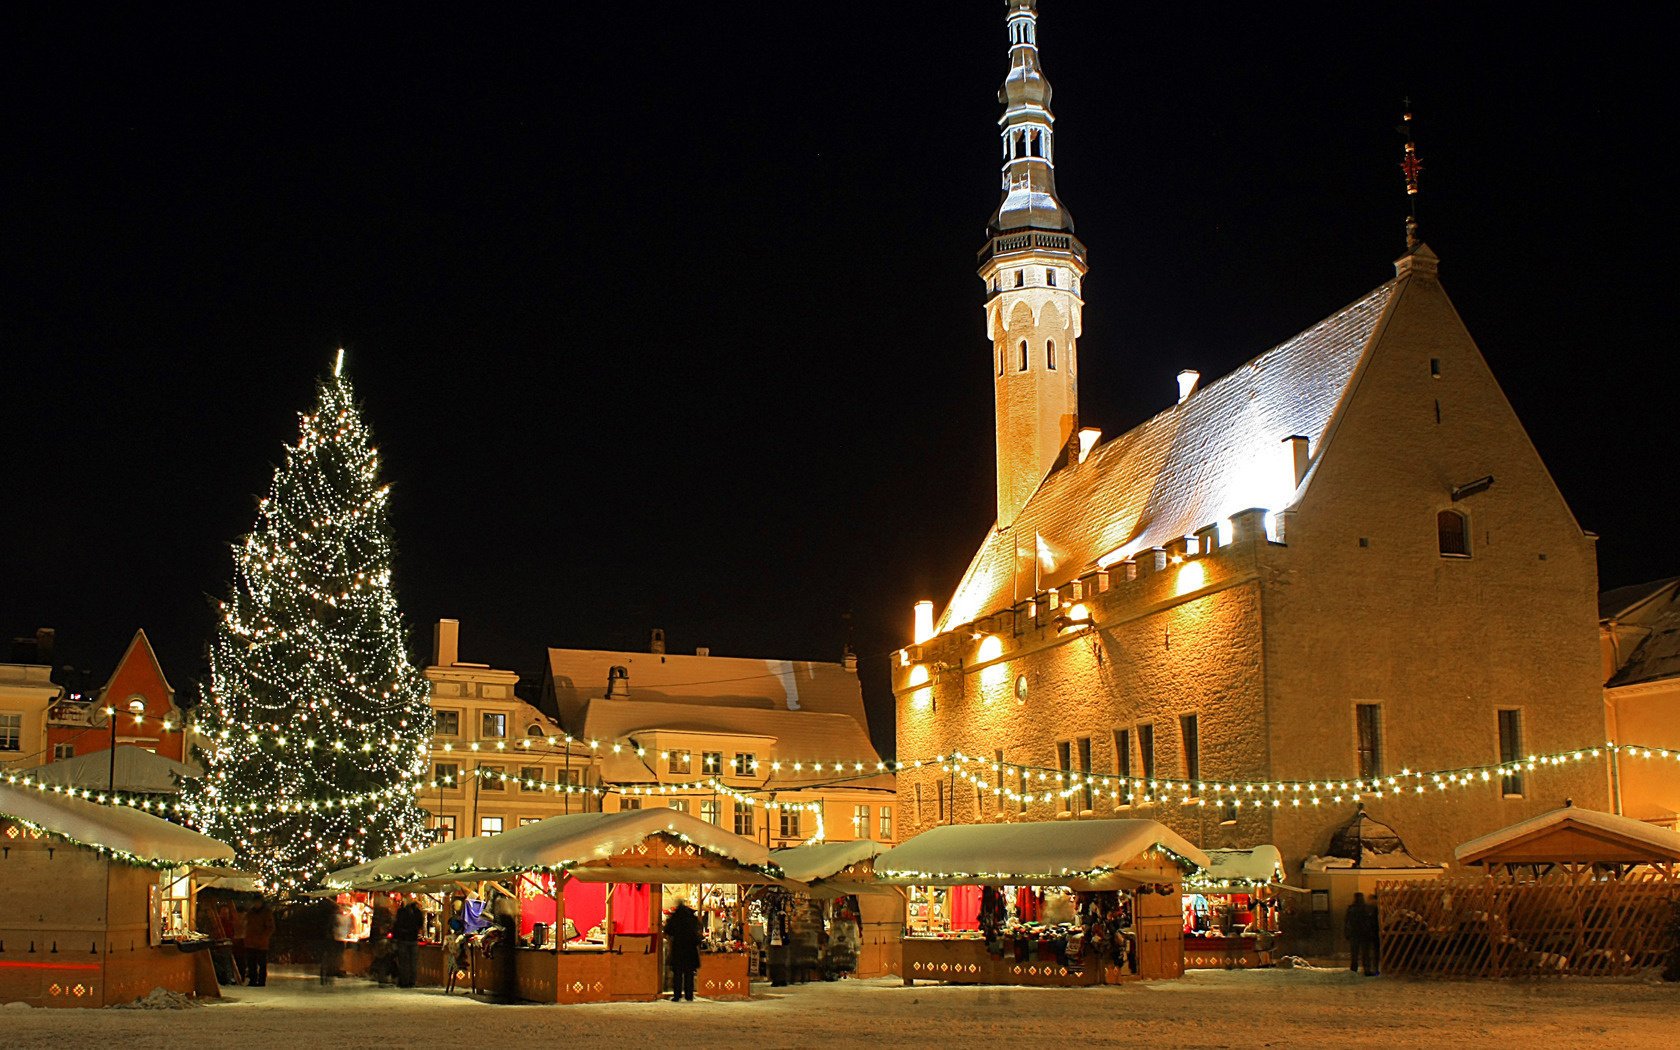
[(1412, 166)]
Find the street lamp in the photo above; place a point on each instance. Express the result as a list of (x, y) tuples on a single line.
[(137, 708)]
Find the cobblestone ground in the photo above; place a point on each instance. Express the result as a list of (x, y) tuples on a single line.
[(1206, 1009)]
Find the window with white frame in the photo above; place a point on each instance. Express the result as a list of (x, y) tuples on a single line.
[(490, 778), (493, 726), (447, 774), (61, 751), (679, 804), (680, 762), (744, 819), (709, 810), (711, 762), (860, 822), (11, 731), (448, 723), (746, 764), (790, 823), (443, 827), (886, 824), (530, 778), (489, 827)]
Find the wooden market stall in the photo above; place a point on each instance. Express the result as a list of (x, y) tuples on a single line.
[(1572, 892), (839, 880), (589, 892), (99, 898), (1065, 903), (1231, 909)]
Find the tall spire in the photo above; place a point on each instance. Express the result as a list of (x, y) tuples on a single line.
[(1029, 159), (1412, 165), (1034, 269)]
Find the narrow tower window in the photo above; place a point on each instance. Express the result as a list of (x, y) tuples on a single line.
[(1023, 366), (1000, 360), (1050, 355), (1050, 277), (1454, 533), (1020, 278)]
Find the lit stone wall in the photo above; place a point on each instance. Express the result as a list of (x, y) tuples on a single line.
[(1038, 407)]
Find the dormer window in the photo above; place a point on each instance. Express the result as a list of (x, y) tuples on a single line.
[(1454, 532)]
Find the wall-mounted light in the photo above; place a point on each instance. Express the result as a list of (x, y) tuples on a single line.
[(1077, 618)]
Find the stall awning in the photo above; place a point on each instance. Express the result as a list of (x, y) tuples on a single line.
[(1235, 868), (129, 769), (1084, 854), (820, 867), (587, 845), (1572, 835), (127, 832)]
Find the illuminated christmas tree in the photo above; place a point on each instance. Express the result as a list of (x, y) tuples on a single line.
[(315, 727)]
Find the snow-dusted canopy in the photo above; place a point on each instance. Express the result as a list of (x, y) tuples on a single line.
[(137, 771), (1535, 840), (1254, 867), (819, 860), (1085, 854), (122, 829), (577, 843)]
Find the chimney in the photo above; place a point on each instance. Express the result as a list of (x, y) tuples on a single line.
[(1298, 456), (924, 621), (44, 645), (446, 643), (1187, 381), (618, 683), (658, 643), (703, 650), (850, 660), (1088, 438)]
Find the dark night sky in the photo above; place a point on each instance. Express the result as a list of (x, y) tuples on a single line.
[(665, 314)]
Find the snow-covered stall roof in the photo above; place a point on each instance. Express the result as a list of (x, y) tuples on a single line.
[(1623, 839), (137, 770), (1258, 866), (1079, 853), (819, 860), (578, 843), (126, 832)]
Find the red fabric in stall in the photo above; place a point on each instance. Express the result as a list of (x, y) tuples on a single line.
[(965, 907), (631, 901), (1026, 904), (586, 904), (536, 902)]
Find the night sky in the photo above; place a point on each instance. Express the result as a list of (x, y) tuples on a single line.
[(665, 315)]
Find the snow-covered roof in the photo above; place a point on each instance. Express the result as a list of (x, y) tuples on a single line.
[(572, 842), (1255, 867), (819, 860), (137, 771), (1218, 452), (125, 831), (1653, 843), (1075, 852)]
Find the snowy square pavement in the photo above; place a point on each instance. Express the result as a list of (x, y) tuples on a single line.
[(1207, 1008)]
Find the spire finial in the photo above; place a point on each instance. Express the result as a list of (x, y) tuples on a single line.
[(338, 363), (1412, 166)]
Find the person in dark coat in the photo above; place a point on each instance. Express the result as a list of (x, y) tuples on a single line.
[(259, 933), (682, 928), (1360, 928), (405, 932)]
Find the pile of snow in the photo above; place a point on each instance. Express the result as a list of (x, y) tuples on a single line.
[(161, 999)]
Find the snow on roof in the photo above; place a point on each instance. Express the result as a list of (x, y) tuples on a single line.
[(1256, 866), (137, 770), (1049, 853), (121, 829), (1218, 452), (567, 842), (580, 675), (1663, 843), (819, 860)]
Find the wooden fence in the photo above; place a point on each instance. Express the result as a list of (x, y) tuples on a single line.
[(1503, 927)]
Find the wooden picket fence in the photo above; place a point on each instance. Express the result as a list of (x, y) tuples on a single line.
[(1503, 927)]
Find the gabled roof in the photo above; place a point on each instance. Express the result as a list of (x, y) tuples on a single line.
[(1218, 452), (140, 648), (1570, 833), (1072, 852), (1657, 657), (136, 770), (819, 860), (131, 834), (1619, 601)]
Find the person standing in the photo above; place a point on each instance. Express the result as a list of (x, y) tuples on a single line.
[(682, 929), (405, 931), (1372, 939), (1359, 926), (259, 933), (338, 935)]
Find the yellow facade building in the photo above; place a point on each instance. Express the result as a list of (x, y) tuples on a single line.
[(1639, 633), (1343, 562)]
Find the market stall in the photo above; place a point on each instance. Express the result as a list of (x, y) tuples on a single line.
[(1231, 909), (586, 894), (1064, 903), (862, 917), (100, 901)]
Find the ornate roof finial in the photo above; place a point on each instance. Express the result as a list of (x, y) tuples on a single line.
[(1412, 166)]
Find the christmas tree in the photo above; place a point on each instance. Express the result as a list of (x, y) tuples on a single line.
[(315, 725)]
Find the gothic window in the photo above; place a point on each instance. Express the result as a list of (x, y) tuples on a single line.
[(1023, 365), (1050, 355), (1454, 533)]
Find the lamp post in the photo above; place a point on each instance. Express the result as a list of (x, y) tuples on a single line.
[(137, 708)]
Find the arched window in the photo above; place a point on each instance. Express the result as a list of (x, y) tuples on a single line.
[(1023, 366), (1454, 530), (1050, 354)]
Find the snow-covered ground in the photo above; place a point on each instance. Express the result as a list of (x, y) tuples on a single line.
[(1207, 1008)]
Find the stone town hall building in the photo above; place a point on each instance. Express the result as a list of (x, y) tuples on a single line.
[(1343, 559)]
